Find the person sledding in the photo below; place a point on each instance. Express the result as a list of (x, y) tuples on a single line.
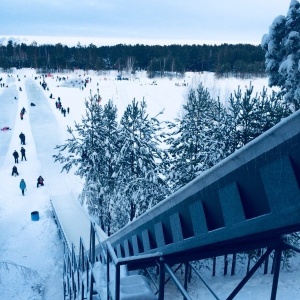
[(40, 181), (5, 128), (14, 171)]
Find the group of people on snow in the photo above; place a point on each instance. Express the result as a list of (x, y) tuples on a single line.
[(2, 84), (14, 171), (22, 185), (58, 105), (44, 85), (16, 155), (40, 180)]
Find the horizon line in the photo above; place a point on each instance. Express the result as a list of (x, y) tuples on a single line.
[(103, 41)]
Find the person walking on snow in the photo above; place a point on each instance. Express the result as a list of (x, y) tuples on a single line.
[(22, 186), (14, 171), (21, 115), (16, 156), (23, 153), (22, 138), (40, 181)]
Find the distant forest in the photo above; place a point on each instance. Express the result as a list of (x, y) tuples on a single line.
[(241, 60)]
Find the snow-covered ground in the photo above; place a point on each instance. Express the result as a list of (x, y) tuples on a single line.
[(31, 252)]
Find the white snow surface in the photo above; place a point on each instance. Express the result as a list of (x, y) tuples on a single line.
[(31, 252)]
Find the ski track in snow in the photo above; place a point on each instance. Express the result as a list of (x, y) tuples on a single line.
[(27, 243)]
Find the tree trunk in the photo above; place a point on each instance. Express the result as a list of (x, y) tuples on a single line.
[(233, 265), (248, 264), (225, 264), (273, 265), (214, 266), (266, 265)]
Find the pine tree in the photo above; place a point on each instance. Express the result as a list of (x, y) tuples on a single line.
[(244, 116), (252, 115), (198, 140), (91, 150), (282, 54), (101, 192), (140, 185)]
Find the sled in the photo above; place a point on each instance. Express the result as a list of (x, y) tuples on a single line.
[(5, 128)]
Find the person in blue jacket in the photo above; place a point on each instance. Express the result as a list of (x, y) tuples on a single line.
[(22, 186)]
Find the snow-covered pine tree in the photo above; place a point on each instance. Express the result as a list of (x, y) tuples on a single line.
[(91, 150), (198, 140), (282, 46), (244, 116), (252, 115), (140, 185), (272, 108), (103, 193), (78, 149)]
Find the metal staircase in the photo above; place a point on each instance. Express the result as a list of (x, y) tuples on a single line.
[(248, 201)]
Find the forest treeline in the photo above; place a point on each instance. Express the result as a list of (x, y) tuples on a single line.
[(240, 60)]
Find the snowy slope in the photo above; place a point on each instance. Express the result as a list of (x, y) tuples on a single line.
[(25, 263)]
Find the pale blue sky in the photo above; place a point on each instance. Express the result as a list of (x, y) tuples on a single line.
[(138, 21)]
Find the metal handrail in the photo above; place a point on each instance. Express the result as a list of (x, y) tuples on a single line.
[(204, 282), (152, 279), (59, 226), (177, 282), (111, 256), (102, 250)]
